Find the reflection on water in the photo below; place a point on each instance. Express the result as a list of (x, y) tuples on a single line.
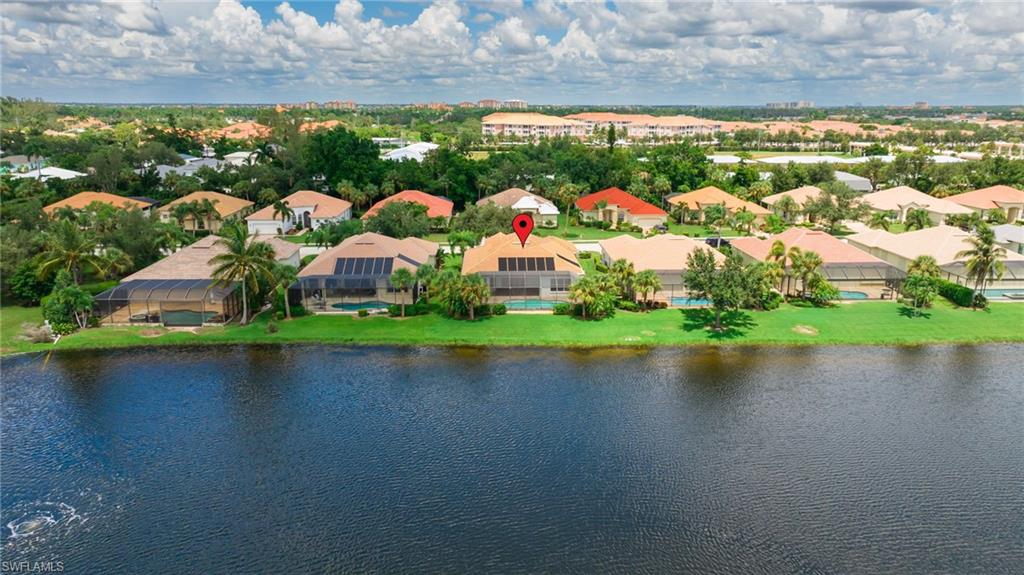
[(253, 459)]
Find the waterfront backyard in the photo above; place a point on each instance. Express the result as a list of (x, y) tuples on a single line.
[(853, 323)]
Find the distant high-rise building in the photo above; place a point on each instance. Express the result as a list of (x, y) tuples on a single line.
[(489, 103), (921, 105), (514, 105), (790, 105), (339, 105)]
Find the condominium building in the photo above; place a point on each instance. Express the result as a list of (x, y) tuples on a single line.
[(645, 126), (339, 105), (514, 105), (531, 125)]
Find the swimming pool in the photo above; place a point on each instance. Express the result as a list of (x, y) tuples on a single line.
[(375, 304), (1004, 293), (526, 304), (852, 295), (687, 302)]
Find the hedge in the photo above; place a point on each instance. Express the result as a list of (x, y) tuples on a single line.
[(962, 296)]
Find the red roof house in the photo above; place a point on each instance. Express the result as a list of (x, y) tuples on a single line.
[(619, 206), (436, 206)]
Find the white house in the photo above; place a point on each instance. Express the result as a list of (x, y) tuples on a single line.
[(310, 211), (239, 158), (416, 151)]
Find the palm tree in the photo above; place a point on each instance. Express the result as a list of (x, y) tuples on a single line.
[(181, 212), (925, 266), (116, 262), (788, 207), (473, 291), (917, 219), (462, 240), (795, 256), (285, 212), (809, 262), (401, 279), (984, 259), (879, 221), (425, 277), (623, 273), (568, 194), (69, 247), (247, 261), (646, 282), (584, 292), (207, 210), (744, 220), (284, 276)]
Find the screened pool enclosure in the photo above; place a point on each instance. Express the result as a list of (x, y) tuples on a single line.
[(357, 283), (168, 302)]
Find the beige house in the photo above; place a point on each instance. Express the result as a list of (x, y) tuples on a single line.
[(82, 200), (310, 210), (531, 276), (1010, 200), (942, 243), (355, 274), (697, 200), (664, 254), (179, 290), (900, 200), (227, 208), (856, 273), (544, 211), (801, 197), (617, 206)]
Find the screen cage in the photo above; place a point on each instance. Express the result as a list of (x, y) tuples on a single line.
[(168, 302)]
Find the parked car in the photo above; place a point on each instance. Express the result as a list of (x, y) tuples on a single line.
[(717, 242)]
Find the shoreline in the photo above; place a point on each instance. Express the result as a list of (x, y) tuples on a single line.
[(873, 324)]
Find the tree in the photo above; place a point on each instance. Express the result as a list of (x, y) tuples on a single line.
[(594, 294), (612, 138), (473, 291), (924, 266), (715, 216), (917, 219), (284, 211), (485, 220), (116, 262), (804, 267), (744, 220), (247, 261), (340, 154), (107, 165), (25, 284), (724, 287), (462, 240), (879, 220), (68, 247), (284, 276), (402, 279), (622, 274), (646, 282), (400, 220), (425, 277), (67, 303), (568, 194), (836, 202), (984, 259), (921, 289)]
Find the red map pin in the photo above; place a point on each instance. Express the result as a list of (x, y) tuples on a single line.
[(522, 225)]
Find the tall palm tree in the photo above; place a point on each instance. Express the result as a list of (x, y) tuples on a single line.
[(282, 210), (116, 262), (284, 276), (568, 194), (925, 266), (247, 261), (207, 210), (401, 280), (795, 256), (879, 221), (69, 247), (425, 277), (809, 263), (584, 292), (646, 282), (788, 207), (181, 212), (984, 259), (917, 219), (623, 274), (473, 291)]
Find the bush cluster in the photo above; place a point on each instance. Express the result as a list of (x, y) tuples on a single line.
[(962, 296)]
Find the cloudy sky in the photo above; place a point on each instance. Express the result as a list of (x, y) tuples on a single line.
[(548, 51)]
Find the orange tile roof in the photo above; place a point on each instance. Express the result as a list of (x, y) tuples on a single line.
[(624, 200), (436, 206), (989, 198), (484, 258), (241, 131), (831, 249), (324, 206), (225, 205), (663, 252), (408, 253), (325, 125), (710, 195), (527, 119), (82, 199), (799, 195)]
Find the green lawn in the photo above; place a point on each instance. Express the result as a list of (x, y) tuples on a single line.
[(859, 323), (11, 318)]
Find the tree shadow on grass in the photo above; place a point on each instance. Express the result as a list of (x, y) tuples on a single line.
[(913, 313), (734, 323)]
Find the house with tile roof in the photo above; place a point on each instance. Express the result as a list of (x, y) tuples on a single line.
[(227, 208), (855, 272), (544, 211), (310, 211), (617, 206), (82, 200), (698, 200), (664, 254), (521, 275), (1009, 200), (943, 243), (437, 207), (355, 274), (901, 199), (801, 196)]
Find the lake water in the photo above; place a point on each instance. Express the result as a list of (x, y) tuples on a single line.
[(741, 460)]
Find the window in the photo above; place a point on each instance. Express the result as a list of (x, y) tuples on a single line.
[(560, 284)]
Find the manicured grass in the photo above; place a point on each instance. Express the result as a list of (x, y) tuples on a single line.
[(859, 323), (589, 265), (11, 318)]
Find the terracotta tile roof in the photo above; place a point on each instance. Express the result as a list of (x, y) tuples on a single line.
[(241, 131), (622, 199), (324, 206), (831, 249), (527, 119), (484, 258), (436, 206), (710, 195), (225, 205), (989, 198), (895, 199), (409, 253), (663, 252), (505, 198), (800, 195), (82, 199), (193, 262), (325, 125)]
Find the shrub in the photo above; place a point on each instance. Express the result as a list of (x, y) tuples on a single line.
[(63, 328), (499, 309), (626, 305), (279, 315), (584, 255), (962, 296), (272, 327), (25, 285), (363, 313), (36, 333), (562, 309)]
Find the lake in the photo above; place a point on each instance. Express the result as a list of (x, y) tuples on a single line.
[(330, 459)]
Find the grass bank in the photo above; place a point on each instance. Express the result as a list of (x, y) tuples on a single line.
[(870, 323)]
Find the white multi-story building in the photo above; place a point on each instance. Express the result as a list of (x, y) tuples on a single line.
[(532, 125)]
